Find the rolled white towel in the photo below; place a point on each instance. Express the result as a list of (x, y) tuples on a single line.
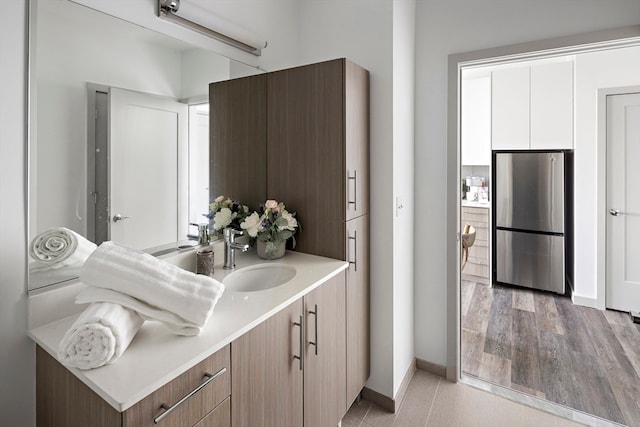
[(174, 322), (99, 336), (59, 247), (160, 284)]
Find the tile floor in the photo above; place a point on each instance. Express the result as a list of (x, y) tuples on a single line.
[(432, 401)]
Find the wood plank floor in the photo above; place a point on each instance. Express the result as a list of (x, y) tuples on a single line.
[(541, 344)]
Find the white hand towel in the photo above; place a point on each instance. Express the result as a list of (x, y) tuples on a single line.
[(59, 247), (99, 336), (158, 283), (174, 322)]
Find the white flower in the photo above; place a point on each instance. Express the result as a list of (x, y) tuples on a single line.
[(219, 199), (222, 218), (253, 224), (292, 223)]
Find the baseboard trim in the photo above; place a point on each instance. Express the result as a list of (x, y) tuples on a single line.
[(432, 368), (385, 402)]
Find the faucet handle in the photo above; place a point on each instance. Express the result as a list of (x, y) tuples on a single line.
[(231, 232)]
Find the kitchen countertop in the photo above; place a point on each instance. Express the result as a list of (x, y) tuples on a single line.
[(470, 204), (156, 355)]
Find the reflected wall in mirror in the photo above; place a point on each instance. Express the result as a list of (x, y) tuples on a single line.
[(117, 115)]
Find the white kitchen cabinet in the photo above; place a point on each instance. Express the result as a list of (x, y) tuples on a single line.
[(532, 106), (552, 106), (476, 121), (510, 109)]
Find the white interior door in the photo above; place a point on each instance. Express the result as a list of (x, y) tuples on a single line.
[(623, 202), (147, 145)]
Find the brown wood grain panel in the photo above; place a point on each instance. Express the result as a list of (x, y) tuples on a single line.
[(200, 404), (219, 417), (356, 93), (306, 156), (238, 145), (325, 385), (267, 387), (358, 312), (62, 400)]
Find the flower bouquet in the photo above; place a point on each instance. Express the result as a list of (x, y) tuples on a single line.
[(271, 226), (226, 213)]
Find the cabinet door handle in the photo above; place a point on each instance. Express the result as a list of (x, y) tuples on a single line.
[(315, 314), (354, 238), (168, 409), (301, 356), (353, 178)]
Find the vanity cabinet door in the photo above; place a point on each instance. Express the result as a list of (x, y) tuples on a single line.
[(357, 306), (267, 378), (195, 407), (325, 354)]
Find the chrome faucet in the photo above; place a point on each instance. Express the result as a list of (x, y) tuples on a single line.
[(203, 233), (230, 245)]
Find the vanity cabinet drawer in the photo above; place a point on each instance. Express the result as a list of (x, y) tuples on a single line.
[(219, 417), (185, 398)]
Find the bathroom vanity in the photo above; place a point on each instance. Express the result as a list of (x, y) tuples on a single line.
[(271, 357)]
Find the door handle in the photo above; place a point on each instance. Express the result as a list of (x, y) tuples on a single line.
[(616, 212), (118, 217), (315, 314)]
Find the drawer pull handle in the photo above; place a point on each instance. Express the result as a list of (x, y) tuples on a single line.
[(169, 409)]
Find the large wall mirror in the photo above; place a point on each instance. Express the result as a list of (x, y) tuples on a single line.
[(118, 134)]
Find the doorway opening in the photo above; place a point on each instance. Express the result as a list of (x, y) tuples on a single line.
[(517, 308)]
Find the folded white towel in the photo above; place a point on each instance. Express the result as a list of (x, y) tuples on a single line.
[(156, 282), (174, 322), (99, 336), (59, 247)]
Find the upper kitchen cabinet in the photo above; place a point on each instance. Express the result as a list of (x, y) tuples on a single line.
[(318, 149), (476, 120), (532, 107)]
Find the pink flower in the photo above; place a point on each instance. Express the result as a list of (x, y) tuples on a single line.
[(219, 199), (271, 204)]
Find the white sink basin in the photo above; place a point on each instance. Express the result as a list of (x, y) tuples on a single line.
[(259, 277)]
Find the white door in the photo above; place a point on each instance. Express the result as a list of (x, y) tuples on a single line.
[(147, 152), (623, 202)]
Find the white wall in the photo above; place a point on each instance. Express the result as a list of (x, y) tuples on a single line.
[(593, 71), (17, 354), (445, 27), (403, 187)]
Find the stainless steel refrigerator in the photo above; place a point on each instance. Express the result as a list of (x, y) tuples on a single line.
[(533, 219)]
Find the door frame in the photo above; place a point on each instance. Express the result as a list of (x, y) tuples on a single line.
[(601, 198)]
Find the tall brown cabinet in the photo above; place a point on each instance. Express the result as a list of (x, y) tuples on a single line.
[(316, 128)]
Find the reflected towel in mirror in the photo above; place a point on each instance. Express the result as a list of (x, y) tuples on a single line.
[(99, 336), (59, 247)]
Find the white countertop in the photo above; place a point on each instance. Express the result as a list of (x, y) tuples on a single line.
[(470, 204), (157, 356)]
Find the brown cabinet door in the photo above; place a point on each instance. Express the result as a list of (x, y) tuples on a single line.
[(267, 379), (356, 140), (306, 158), (325, 355), (238, 144), (357, 306)]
